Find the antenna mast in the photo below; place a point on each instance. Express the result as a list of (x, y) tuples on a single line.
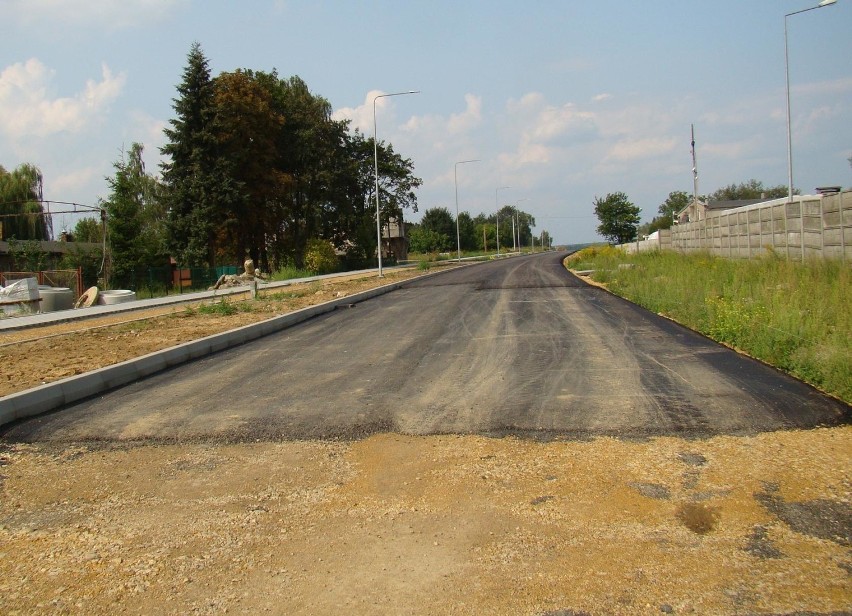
[(694, 167)]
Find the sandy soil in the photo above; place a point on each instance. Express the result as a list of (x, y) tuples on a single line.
[(417, 525)]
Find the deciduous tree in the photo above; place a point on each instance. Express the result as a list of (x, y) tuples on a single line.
[(752, 189), (439, 220), (619, 218), (23, 215), (467, 232)]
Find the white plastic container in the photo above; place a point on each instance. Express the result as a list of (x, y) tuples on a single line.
[(117, 296)]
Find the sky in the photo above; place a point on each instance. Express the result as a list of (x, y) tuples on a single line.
[(560, 101)]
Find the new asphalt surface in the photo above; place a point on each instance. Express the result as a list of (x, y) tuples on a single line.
[(517, 346)]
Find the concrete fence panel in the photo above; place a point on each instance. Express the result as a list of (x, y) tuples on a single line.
[(811, 226)]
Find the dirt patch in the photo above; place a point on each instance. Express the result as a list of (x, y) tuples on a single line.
[(420, 525)]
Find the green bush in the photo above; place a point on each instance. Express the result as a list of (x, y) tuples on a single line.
[(427, 240), (320, 257)]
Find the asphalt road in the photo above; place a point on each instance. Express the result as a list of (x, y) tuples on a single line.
[(518, 346)]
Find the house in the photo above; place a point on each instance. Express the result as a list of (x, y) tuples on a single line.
[(700, 210), (394, 240)]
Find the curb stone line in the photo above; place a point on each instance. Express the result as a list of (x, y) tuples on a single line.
[(52, 396)]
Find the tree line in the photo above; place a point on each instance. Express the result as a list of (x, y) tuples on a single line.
[(619, 218), (254, 165), (436, 231)]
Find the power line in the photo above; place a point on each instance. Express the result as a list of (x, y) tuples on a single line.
[(91, 208)]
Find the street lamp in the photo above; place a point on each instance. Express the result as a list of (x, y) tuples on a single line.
[(789, 126), (456, 177), (497, 202), (517, 223), (376, 157)]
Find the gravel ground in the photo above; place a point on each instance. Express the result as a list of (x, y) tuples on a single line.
[(425, 525)]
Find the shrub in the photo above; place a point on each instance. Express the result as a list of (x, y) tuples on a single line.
[(222, 309), (320, 257)]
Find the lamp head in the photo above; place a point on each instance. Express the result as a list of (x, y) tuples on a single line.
[(826, 2)]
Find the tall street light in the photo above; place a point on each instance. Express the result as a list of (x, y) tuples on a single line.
[(456, 177), (376, 157), (518, 224), (497, 202), (789, 126)]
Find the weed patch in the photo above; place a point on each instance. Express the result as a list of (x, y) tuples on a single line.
[(222, 309)]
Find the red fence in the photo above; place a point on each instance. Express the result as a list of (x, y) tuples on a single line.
[(73, 279)]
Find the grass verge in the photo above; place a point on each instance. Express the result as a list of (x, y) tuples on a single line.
[(795, 316)]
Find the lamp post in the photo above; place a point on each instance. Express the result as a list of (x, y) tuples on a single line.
[(456, 177), (518, 224), (497, 203), (376, 158), (789, 125)]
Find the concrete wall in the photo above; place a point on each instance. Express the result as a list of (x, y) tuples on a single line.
[(809, 226), (658, 240)]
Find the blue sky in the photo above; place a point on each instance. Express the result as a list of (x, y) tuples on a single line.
[(562, 101)]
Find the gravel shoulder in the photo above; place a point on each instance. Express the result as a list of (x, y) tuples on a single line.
[(414, 525)]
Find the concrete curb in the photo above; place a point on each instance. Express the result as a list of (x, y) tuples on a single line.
[(64, 316), (61, 393)]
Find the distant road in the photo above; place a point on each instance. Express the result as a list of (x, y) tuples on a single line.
[(518, 346)]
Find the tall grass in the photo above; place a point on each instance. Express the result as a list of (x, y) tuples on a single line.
[(290, 272), (795, 316)]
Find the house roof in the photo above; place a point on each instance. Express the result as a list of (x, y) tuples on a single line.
[(729, 205), (722, 205)]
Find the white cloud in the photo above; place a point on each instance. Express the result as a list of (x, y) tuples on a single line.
[(148, 131), (361, 117), (28, 109), (546, 134), (835, 86), (72, 181), (601, 97), (469, 118), (111, 14)]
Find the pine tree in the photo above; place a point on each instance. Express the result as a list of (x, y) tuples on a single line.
[(194, 177), (132, 212)]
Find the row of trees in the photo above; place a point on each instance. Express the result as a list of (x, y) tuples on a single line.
[(436, 232), (256, 165), (619, 218)]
